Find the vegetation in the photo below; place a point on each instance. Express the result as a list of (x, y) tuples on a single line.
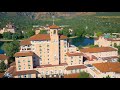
[(11, 48), (118, 59), (43, 32), (2, 67), (118, 49), (107, 77), (91, 46), (84, 75)]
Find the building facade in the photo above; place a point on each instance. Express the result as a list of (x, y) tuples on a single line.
[(49, 55), (107, 42)]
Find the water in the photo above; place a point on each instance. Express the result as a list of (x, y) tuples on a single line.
[(1, 52), (81, 41)]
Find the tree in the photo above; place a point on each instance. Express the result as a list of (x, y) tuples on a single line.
[(7, 35), (98, 34), (15, 36), (107, 77), (2, 67), (29, 34), (119, 59), (84, 74), (43, 31), (115, 44), (11, 48)]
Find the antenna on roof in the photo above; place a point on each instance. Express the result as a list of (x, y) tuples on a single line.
[(53, 19)]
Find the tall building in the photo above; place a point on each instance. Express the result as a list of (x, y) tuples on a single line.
[(44, 55)]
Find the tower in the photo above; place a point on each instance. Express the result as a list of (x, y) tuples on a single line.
[(54, 45)]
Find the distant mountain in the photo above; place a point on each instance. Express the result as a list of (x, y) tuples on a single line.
[(41, 15)]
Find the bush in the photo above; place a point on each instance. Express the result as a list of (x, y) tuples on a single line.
[(83, 75)]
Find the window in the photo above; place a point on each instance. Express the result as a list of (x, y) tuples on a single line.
[(28, 60), (71, 57), (29, 67), (29, 75), (25, 76), (54, 32), (18, 61), (19, 76), (19, 68)]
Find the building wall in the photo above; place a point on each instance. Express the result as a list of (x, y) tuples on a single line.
[(102, 42), (24, 63), (26, 76), (103, 54), (54, 47), (50, 70), (74, 60)]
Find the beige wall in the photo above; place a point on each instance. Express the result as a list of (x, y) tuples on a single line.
[(24, 63), (27, 76), (104, 43), (74, 60)]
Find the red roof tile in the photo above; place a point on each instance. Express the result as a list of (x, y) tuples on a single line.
[(39, 37), (74, 54), (97, 49), (25, 53), (76, 75), (54, 27), (3, 57), (75, 67), (108, 67)]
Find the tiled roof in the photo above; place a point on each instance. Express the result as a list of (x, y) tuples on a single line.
[(25, 53), (54, 27), (12, 70), (108, 67), (97, 49), (13, 64), (50, 65), (24, 72), (1, 75), (75, 67), (74, 54), (39, 37), (25, 42), (3, 57)]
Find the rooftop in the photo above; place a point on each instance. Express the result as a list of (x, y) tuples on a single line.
[(3, 57), (25, 53), (108, 67), (74, 54), (54, 27), (98, 49), (39, 37), (75, 67)]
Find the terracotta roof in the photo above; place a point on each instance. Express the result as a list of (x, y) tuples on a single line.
[(75, 67), (3, 57), (74, 54), (25, 42), (76, 75), (24, 72), (98, 49), (91, 58), (13, 64), (1, 75), (54, 27), (50, 65), (39, 37), (108, 67), (12, 70), (25, 53)]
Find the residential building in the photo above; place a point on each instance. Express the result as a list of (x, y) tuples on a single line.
[(9, 28)]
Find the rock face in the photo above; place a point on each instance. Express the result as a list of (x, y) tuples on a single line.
[(40, 15)]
